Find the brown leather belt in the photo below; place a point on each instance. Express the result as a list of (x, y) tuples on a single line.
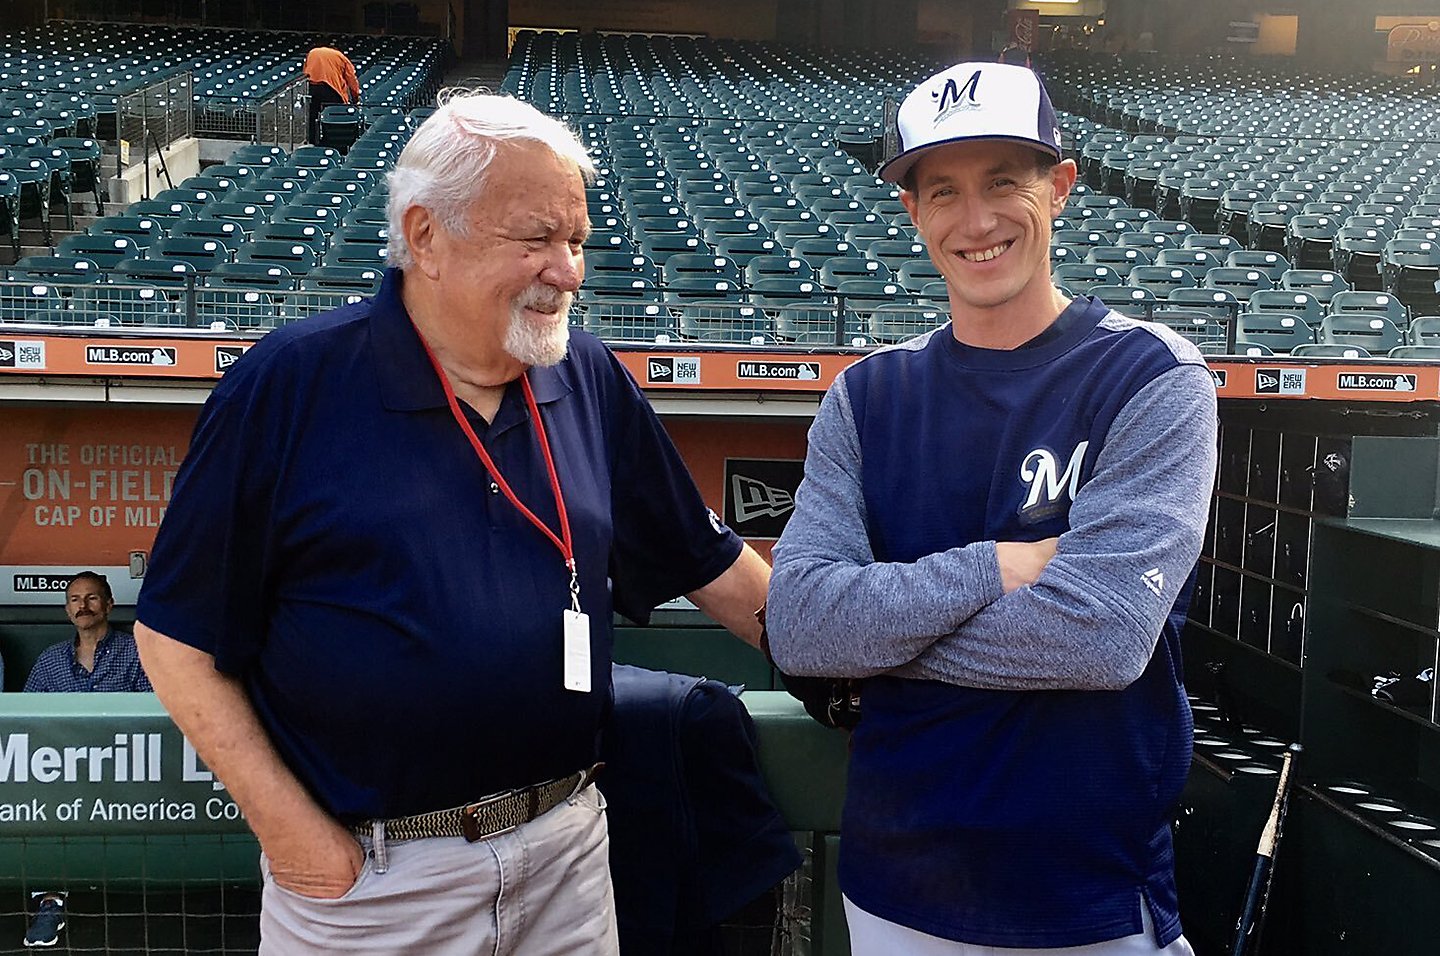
[(490, 816)]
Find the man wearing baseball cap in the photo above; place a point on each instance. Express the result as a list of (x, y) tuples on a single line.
[(997, 534)]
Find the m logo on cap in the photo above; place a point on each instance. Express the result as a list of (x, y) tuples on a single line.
[(954, 98)]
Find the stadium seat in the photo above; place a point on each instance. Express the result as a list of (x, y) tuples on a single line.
[(257, 274), (19, 301), (1161, 279), (220, 230), (62, 270), (1273, 264), (838, 269), (1080, 277), (1199, 327), (724, 321), (1280, 331), (1375, 334), (1424, 330), (203, 254), (1424, 353), (1321, 283), (167, 273), (1328, 350), (1127, 300), (105, 251), (130, 305), (1220, 303), (632, 322), (895, 322), (298, 257)]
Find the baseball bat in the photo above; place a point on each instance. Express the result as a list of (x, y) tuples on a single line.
[(1257, 893)]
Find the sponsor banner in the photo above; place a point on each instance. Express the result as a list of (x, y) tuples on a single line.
[(228, 355), (1376, 381), (85, 485), (128, 771), (1280, 381), (672, 370), (22, 354), (1414, 43), (769, 371), (165, 356), (115, 355), (44, 585), (1021, 27), (760, 495)]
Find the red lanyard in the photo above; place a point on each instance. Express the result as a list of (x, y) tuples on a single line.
[(563, 542)]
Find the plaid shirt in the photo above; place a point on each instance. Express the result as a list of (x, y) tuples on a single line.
[(117, 668)]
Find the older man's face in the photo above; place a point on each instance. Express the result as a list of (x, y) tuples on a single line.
[(513, 277)]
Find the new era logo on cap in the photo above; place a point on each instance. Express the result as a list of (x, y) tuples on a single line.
[(974, 101)]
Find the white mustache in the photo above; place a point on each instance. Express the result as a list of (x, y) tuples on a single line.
[(544, 299)]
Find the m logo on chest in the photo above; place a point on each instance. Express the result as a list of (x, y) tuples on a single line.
[(1049, 484)]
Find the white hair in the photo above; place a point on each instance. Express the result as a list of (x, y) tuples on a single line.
[(443, 166)]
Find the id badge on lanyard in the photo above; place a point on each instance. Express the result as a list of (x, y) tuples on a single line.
[(576, 623)]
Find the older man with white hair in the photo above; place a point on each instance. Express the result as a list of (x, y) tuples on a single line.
[(380, 603)]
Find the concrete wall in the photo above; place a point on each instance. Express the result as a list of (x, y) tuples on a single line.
[(182, 159)]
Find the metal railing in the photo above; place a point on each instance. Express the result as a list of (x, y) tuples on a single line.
[(279, 119), (282, 119), (155, 116), (845, 322), (186, 306)]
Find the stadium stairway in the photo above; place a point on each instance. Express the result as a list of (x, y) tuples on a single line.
[(32, 237)]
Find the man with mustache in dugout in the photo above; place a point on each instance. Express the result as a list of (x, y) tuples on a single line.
[(380, 604)]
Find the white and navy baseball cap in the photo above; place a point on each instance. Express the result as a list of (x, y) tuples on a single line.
[(974, 101)]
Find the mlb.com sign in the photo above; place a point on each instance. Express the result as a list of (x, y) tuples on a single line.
[(1371, 382)]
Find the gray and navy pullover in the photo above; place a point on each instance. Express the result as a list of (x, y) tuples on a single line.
[(1011, 782)]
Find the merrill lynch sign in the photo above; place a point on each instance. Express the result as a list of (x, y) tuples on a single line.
[(104, 773)]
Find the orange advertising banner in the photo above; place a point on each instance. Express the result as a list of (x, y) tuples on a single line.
[(86, 485)]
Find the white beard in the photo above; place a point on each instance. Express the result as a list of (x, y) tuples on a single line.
[(530, 343)]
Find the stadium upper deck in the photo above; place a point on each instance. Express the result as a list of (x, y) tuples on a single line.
[(736, 204)]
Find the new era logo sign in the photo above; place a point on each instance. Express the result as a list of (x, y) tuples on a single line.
[(1154, 580), (1280, 381), (228, 355), (760, 494), (17, 354), (754, 499), (672, 370)]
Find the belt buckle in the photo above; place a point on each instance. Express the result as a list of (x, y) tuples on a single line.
[(469, 817)]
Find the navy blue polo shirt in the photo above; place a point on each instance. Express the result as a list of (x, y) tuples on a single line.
[(334, 541)]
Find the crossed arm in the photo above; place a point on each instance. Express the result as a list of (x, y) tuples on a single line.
[(998, 614)]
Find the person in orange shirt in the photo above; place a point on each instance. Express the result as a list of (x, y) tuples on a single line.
[(332, 80)]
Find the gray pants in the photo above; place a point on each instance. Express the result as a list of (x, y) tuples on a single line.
[(872, 936), (540, 890)]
